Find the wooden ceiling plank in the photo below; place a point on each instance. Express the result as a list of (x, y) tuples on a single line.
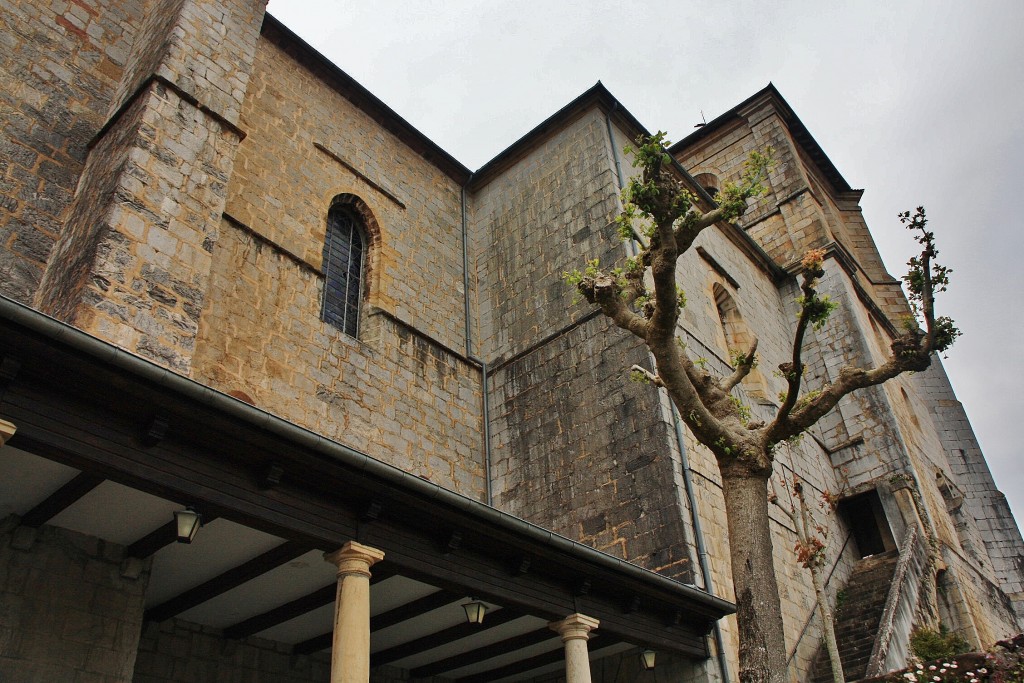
[(530, 663), (232, 578), (162, 536), (295, 608), (482, 654), (411, 610), (442, 637), (61, 499)]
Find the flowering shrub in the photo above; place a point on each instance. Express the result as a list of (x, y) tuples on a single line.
[(930, 644), (1002, 664)]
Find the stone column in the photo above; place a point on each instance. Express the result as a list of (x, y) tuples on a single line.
[(350, 653), (575, 631)]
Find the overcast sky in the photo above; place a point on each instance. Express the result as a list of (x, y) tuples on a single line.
[(917, 102)]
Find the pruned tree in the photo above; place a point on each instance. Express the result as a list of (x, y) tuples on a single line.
[(644, 299)]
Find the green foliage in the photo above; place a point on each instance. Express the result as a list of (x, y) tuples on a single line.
[(946, 333), (650, 151), (644, 305), (634, 266), (817, 309), (742, 409), (624, 221), (929, 644), (806, 399), (574, 277), (926, 277), (740, 358), (841, 596), (639, 377), (680, 297), (732, 198)]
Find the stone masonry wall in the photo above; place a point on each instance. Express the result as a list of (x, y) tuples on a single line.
[(576, 447), (402, 392), (983, 502), (133, 262), (307, 144), (547, 214), (394, 394), (60, 62), (133, 271), (581, 450), (67, 613), (177, 651), (800, 210)]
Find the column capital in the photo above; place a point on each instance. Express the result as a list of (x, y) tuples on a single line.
[(574, 627), (7, 430), (354, 558)]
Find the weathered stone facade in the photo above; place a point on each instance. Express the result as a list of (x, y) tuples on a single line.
[(68, 611), (207, 152)]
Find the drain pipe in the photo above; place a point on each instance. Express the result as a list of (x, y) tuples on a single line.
[(469, 351), (702, 551), (615, 150), (677, 423)]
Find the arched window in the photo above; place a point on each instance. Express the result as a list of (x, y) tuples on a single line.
[(738, 336), (709, 182), (343, 269)]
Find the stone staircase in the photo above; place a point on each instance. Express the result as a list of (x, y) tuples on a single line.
[(857, 621)]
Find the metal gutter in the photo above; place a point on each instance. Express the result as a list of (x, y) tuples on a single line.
[(702, 551), (108, 354), (489, 490)]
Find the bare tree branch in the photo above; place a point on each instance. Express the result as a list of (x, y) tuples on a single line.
[(793, 371), (604, 290), (743, 367), (648, 375)]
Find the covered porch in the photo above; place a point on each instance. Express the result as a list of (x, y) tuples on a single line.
[(106, 447)]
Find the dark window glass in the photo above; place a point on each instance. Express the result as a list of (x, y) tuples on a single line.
[(343, 270)]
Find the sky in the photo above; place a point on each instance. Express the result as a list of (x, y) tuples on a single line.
[(919, 103)]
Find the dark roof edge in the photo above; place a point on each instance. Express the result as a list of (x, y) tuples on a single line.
[(104, 352), (800, 133), (597, 95), (356, 93)]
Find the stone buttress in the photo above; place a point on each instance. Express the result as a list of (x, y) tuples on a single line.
[(132, 264)]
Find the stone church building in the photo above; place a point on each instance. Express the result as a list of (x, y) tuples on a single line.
[(236, 283)]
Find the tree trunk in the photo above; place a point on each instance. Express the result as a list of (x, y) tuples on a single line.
[(758, 608), (803, 520), (828, 628)]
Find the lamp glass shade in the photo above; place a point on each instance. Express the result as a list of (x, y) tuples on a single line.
[(188, 522), (475, 611), (647, 659)]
